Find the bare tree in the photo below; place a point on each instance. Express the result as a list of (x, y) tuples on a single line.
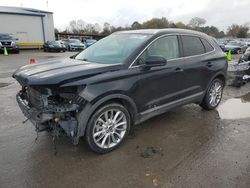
[(80, 25), (197, 22), (240, 31)]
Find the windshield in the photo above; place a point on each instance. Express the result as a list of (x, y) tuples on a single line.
[(74, 41), (55, 43), (90, 41), (6, 37), (234, 43), (113, 49)]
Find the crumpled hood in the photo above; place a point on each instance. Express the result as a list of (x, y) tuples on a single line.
[(60, 71)]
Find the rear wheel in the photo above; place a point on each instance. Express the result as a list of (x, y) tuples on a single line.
[(107, 128), (213, 95)]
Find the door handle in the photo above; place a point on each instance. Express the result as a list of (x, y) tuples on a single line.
[(179, 69), (209, 64)]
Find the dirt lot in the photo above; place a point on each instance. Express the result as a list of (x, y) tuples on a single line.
[(186, 147)]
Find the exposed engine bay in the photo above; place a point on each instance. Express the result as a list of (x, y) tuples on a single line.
[(49, 110)]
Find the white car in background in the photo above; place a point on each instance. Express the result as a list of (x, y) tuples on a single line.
[(248, 42)]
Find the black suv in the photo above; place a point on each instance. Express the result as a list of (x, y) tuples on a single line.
[(9, 42), (122, 80)]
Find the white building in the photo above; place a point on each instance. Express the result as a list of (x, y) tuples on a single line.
[(32, 27)]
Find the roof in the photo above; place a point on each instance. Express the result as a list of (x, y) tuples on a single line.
[(163, 31), (23, 11)]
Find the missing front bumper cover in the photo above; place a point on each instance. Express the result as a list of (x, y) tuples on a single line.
[(43, 118)]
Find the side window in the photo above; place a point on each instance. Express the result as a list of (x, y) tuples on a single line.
[(207, 45), (192, 46), (166, 47)]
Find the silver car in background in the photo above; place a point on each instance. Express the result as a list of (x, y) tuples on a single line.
[(73, 44)]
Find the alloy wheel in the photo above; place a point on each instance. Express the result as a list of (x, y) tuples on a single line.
[(215, 94), (109, 128)]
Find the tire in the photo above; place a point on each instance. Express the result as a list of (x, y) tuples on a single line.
[(213, 95), (102, 138)]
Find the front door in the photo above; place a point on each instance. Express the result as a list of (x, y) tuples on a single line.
[(163, 84)]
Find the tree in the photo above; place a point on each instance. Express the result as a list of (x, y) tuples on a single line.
[(106, 28), (73, 26), (180, 25), (56, 30), (80, 25), (233, 30), (156, 23), (197, 22), (243, 32), (136, 25), (89, 28), (97, 28), (239, 31)]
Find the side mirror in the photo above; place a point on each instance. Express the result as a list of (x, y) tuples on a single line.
[(154, 61), (16, 39)]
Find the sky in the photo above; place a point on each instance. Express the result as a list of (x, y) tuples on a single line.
[(220, 13)]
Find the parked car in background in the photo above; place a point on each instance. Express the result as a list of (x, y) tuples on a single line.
[(222, 45), (8, 41), (122, 80), (236, 47), (248, 42), (89, 42), (74, 44), (54, 46)]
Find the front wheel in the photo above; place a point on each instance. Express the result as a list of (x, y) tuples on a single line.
[(107, 128), (213, 95)]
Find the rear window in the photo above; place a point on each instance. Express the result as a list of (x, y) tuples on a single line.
[(207, 45), (192, 46)]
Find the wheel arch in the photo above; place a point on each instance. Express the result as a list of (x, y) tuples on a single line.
[(84, 116), (220, 75)]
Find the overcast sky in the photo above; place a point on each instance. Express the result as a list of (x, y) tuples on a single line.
[(220, 13)]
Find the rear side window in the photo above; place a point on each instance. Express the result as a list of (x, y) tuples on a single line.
[(207, 45), (192, 46)]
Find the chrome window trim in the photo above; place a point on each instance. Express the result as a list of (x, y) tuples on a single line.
[(177, 34)]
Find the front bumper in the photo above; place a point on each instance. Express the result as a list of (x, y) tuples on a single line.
[(77, 48), (9, 48), (44, 118), (57, 49)]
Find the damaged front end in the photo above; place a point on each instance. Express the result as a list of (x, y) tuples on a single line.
[(51, 109)]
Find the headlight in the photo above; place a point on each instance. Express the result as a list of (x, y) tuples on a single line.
[(13, 43), (51, 46), (1, 44)]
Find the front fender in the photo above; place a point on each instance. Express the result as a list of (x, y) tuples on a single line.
[(84, 116)]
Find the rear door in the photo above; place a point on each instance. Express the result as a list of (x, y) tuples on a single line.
[(198, 65)]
